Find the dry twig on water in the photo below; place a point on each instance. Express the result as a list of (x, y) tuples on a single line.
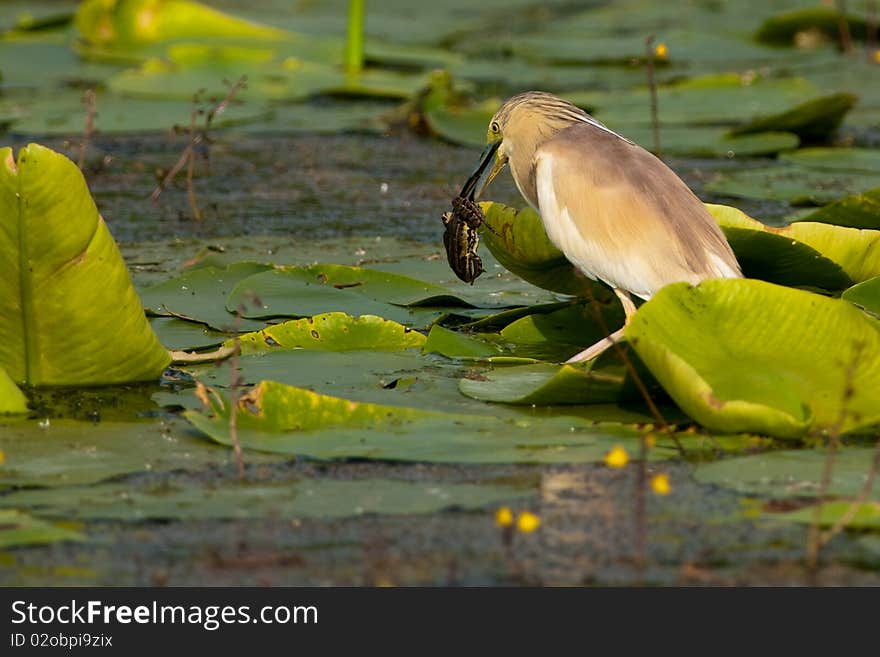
[(814, 534), (652, 86), (197, 136)]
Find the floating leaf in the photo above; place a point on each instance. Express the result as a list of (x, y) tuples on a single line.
[(278, 418), (744, 355), (130, 23), (859, 160), (544, 384), (454, 344), (855, 211), (332, 332), (68, 452), (200, 294), (18, 528), (773, 254), (61, 113), (867, 515), (866, 295), (794, 184), (708, 101), (814, 120), (782, 29), (72, 315), (316, 289), (790, 473), (12, 400), (304, 498)]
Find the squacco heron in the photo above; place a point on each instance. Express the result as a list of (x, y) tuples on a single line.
[(619, 214)]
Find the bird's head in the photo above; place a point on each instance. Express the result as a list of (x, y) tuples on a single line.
[(521, 124)]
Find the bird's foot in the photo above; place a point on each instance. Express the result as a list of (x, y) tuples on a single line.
[(597, 349)]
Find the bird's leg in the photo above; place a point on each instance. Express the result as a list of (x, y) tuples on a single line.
[(629, 309)]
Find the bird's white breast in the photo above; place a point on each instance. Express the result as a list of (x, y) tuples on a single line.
[(589, 255)]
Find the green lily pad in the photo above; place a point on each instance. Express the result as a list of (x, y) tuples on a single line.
[(867, 515), (775, 255), (782, 29), (855, 211), (859, 160), (72, 315), (68, 452), (200, 294), (545, 384), (714, 100), (466, 126), (702, 141), (18, 528), (333, 332), (305, 498), (741, 355), (812, 121), (454, 344), (289, 80), (790, 473), (12, 400), (181, 335), (278, 418), (62, 113), (866, 295), (316, 289), (795, 184), (131, 23)]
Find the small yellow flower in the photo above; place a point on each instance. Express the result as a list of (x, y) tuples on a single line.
[(650, 440), (504, 517), (617, 457), (660, 484), (527, 522), (877, 56), (661, 50)]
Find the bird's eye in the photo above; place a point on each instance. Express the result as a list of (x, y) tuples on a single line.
[(495, 128)]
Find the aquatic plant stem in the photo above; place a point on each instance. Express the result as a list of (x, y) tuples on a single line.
[(354, 44), (652, 86), (843, 27)]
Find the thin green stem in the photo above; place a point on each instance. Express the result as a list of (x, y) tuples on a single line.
[(354, 44)]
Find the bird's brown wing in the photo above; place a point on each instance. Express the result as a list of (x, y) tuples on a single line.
[(623, 216)]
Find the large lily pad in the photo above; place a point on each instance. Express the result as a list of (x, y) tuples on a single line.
[(744, 355), (795, 184), (72, 315), (278, 418), (857, 160), (866, 295), (782, 29), (866, 517), (68, 452), (315, 498), (790, 473), (332, 332), (856, 211), (131, 23), (805, 253), (12, 400), (18, 528), (713, 100), (62, 113), (812, 121), (199, 295), (316, 289)]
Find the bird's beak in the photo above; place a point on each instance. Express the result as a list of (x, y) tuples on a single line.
[(486, 170)]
